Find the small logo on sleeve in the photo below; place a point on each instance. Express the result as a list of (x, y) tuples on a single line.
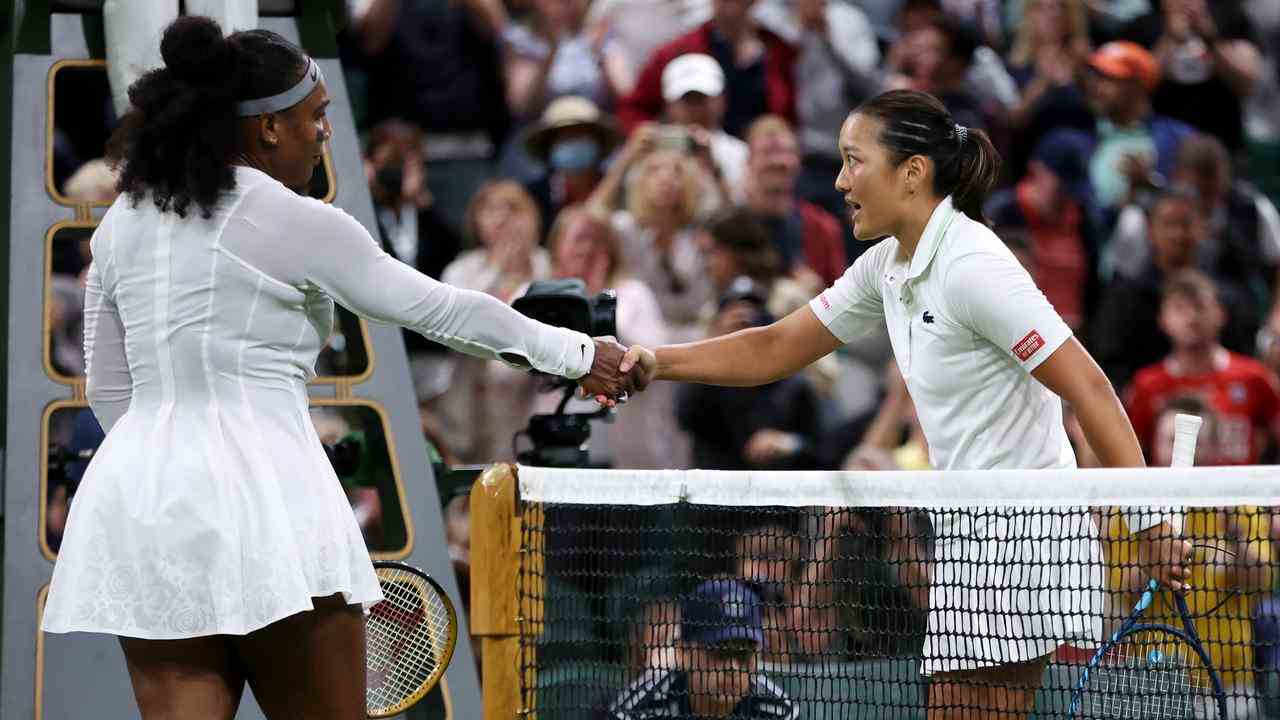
[(1027, 346), (823, 299)]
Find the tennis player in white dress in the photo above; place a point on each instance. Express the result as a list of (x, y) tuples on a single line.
[(210, 531), (986, 359)]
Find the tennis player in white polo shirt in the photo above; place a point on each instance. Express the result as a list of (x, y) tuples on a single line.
[(983, 354)]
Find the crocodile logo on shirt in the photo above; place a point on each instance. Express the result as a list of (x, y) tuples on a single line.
[(928, 319)]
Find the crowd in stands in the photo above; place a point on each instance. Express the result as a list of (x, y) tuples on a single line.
[(683, 153)]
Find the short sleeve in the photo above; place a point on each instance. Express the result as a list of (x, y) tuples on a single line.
[(853, 305), (994, 296)]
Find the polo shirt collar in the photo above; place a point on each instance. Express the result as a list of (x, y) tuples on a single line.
[(934, 232)]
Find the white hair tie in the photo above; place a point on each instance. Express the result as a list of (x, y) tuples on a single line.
[(962, 133)]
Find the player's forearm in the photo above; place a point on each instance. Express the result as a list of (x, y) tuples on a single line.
[(754, 356), (1107, 427), (738, 359)]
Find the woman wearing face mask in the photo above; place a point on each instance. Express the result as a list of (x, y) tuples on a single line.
[(571, 140)]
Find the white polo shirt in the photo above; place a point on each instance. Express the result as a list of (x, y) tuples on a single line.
[(968, 325)]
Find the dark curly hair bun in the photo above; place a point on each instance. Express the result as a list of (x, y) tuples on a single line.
[(176, 143), (196, 51)]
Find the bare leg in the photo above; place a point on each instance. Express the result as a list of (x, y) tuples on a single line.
[(173, 679), (309, 666), (1002, 692)]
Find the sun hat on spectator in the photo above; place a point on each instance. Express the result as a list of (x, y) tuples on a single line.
[(1124, 60), (570, 111), (692, 72)]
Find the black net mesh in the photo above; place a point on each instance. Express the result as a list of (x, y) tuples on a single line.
[(693, 611)]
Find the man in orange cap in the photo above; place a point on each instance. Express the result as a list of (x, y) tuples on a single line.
[(1134, 147)]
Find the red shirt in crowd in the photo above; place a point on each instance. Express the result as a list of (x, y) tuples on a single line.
[(1060, 259), (1241, 390), (823, 242), (645, 101)]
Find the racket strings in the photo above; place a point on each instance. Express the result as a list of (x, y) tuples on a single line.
[(408, 639), (1151, 680)]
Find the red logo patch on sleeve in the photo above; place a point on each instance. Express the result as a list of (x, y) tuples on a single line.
[(1027, 346), (823, 298)]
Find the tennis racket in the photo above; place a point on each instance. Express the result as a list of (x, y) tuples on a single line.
[(409, 639), (1151, 671)]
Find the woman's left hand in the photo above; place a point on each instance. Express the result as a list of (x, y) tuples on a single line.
[(1165, 556)]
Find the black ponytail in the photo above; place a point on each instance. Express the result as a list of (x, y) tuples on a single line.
[(966, 164), (177, 140)]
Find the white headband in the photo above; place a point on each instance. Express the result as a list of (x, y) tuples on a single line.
[(286, 99)]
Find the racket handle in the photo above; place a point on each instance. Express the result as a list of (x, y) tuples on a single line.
[(1186, 429)]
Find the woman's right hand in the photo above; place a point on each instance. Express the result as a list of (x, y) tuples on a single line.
[(641, 364), (640, 143)]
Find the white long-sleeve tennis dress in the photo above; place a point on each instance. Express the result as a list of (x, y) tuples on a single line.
[(968, 326), (211, 507)]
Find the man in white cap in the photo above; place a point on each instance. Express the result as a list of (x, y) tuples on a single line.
[(693, 89)]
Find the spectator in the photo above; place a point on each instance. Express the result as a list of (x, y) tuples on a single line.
[(736, 244), (1243, 243), (1211, 65), (717, 671), (1124, 335), (836, 69), (652, 638), (503, 222), (1053, 205), (412, 228), (693, 88), (768, 557), (659, 242), (639, 27), (585, 247), (1242, 392), (758, 68), (409, 221), (436, 65), (66, 325), (987, 79), (808, 238), (1131, 143), (773, 426), (571, 141), (937, 58), (555, 54), (1047, 61)]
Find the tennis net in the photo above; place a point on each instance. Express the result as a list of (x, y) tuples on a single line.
[(823, 595)]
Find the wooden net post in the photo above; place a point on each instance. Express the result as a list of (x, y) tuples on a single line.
[(496, 612)]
